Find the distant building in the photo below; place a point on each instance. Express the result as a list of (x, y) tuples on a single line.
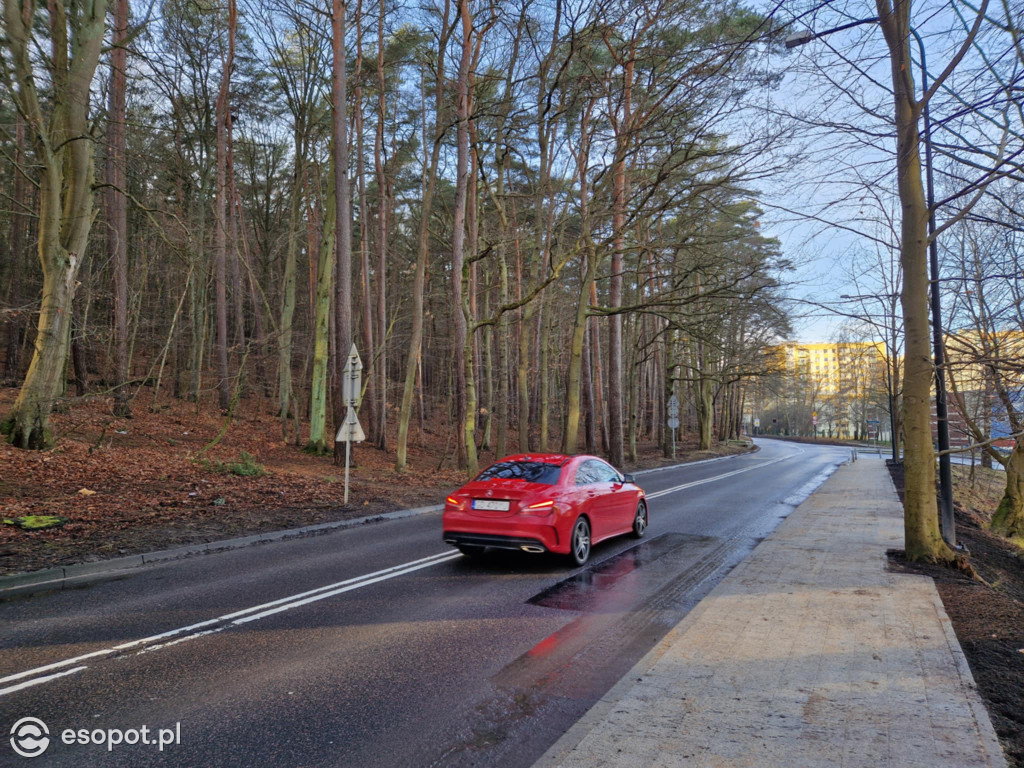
[(832, 389)]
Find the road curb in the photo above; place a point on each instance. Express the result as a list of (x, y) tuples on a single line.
[(49, 579)]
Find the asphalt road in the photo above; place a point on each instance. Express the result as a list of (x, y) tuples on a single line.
[(403, 652)]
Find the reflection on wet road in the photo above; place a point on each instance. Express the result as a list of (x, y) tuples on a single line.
[(605, 586)]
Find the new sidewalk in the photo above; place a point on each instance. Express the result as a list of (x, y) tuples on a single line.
[(810, 653)]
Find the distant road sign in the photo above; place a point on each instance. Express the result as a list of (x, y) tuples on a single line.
[(673, 406), (673, 422), (757, 422)]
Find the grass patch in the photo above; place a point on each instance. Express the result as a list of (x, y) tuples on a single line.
[(244, 466), (35, 522)]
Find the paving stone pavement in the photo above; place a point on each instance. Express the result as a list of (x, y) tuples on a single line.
[(809, 653)]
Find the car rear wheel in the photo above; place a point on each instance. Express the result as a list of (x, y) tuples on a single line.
[(640, 521), (470, 550), (579, 543)]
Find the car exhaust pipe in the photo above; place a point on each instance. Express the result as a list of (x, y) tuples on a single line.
[(532, 548)]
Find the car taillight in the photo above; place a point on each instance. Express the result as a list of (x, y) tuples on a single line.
[(453, 501), (540, 506)]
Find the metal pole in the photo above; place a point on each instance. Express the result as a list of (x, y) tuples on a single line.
[(948, 525), (348, 450)]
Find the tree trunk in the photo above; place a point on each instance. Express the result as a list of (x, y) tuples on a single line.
[(383, 212), (284, 348), (117, 204), (1008, 519), (321, 332), (343, 223), (920, 509), (220, 253), (412, 361), (463, 362)]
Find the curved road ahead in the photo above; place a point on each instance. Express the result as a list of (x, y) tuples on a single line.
[(380, 646)]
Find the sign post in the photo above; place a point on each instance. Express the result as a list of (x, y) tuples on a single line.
[(673, 420), (873, 430), (814, 423), (351, 387)]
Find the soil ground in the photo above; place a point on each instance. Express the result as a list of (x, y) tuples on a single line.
[(987, 610), (154, 481)]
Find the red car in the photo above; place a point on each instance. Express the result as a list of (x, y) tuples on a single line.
[(544, 503)]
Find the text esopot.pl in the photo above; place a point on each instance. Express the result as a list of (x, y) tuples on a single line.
[(30, 737)]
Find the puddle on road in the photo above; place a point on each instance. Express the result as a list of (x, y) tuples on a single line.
[(615, 580)]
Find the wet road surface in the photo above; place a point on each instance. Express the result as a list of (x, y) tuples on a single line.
[(379, 646)]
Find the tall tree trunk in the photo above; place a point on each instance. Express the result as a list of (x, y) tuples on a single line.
[(412, 361), (615, 371), (368, 406), (920, 508), (383, 212), (464, 418), (220, 254), (284, 348), (343, 239), (588, 272), (321, 330), (117, 204)]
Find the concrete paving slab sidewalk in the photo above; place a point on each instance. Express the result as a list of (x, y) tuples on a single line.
[(810, 653)]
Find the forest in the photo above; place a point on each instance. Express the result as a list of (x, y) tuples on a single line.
[(529, 217)]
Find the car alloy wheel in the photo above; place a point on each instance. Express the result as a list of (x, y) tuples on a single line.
[(580, 541), (640, 521)]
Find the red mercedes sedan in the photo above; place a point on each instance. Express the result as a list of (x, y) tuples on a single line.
[(544, 503)]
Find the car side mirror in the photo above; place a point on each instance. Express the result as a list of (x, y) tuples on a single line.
[(627, 479)]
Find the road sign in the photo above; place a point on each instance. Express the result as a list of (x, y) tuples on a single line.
[(673, 422), (814, 420), (351, 429), (873, 421), (352, 380), (757, 422), (673, 406)]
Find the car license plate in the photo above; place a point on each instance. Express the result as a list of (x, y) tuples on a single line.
[(494, 505)]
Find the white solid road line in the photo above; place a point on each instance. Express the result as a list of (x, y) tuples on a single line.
[(684, 486), (56, 665), (283, 604), (40, 680), (428, 560), (314, 598)]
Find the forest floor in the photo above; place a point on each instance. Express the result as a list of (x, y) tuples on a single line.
[(146, 483), (987, 609)]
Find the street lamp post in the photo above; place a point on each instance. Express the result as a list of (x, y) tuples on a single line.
[(946, 520)]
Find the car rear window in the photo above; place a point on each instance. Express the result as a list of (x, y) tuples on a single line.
[(530, 471)]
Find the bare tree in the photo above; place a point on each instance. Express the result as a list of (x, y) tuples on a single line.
[(60, 134)]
